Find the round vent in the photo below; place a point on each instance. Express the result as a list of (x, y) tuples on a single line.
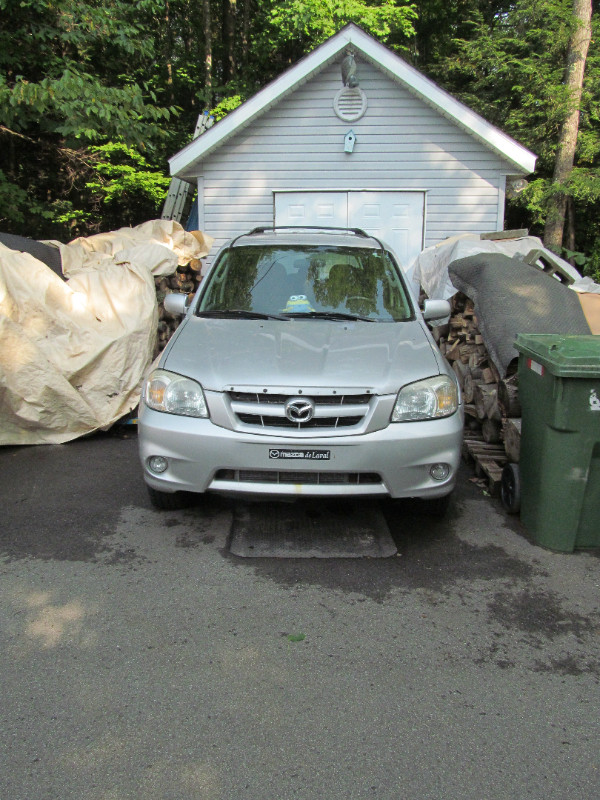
[(350, 104)]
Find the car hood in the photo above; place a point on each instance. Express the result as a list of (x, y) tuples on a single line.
[(313, 353)]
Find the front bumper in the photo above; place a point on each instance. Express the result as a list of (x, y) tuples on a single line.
[(393, 462)]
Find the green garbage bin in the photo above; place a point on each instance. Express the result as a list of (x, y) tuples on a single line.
[(559, 466)]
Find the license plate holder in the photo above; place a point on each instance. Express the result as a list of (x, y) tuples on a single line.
[(298, 454)]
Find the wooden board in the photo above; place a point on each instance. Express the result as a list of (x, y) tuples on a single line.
[(489, 459)]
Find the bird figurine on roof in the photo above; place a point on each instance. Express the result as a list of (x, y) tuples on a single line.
[(349, 76)]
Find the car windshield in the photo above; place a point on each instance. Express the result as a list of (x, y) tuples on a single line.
[(313, 282)]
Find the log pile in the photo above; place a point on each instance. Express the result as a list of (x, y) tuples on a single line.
[(492, 409), (186, 279)]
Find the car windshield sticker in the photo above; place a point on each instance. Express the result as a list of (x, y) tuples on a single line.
[(298, 303)]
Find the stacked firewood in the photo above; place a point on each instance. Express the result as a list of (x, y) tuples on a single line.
[(492, 408), (185, 279)]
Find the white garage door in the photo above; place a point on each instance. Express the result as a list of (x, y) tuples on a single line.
[(395, 217)]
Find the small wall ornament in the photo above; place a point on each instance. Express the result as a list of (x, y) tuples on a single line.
[(350, 103)]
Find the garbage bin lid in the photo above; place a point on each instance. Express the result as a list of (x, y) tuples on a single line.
[(562, 355)]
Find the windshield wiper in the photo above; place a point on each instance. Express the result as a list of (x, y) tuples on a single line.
[(239, 313), (337, 315)]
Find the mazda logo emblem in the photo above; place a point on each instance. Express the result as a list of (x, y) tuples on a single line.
[(299, 409)]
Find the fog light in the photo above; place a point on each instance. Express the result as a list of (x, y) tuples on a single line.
[(439, 472), (157, 464)]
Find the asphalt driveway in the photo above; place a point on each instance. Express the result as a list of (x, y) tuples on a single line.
[(141, 659)]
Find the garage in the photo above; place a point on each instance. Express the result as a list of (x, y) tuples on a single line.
[(395, 155)]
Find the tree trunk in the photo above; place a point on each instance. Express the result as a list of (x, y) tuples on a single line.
[(229, 16), (565, 154), (207, 53), (569, 236), (169, 54), (245, 31)]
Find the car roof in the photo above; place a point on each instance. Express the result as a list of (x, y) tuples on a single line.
[(308, 235)]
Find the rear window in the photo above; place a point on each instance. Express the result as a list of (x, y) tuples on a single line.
[(303, 279)]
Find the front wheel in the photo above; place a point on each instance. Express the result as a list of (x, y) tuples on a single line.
[(166, 501), (437, 506)]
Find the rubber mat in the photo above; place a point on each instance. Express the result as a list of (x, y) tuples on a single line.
[(307, 529)]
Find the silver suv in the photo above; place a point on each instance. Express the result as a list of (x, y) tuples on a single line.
[(303, 367)]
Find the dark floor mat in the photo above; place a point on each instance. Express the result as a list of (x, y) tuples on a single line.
[(311, 529)]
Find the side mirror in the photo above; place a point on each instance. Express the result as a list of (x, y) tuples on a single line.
[(176, 303), (436, 309)]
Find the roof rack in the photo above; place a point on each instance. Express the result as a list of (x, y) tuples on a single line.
[(355, 231), (267, 229)]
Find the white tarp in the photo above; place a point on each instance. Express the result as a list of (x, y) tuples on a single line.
[(73, 353), (430, 268), (173, 246)]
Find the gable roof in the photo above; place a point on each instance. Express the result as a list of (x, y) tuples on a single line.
[(182, 163)]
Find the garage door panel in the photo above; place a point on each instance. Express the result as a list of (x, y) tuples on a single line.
[(395, 217), (401, 211), (297, 212), (311, 208), (372, 211)]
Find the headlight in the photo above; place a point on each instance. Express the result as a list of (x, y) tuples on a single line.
[(429, 399), (175, 394)]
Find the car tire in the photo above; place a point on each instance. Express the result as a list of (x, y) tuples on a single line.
[(437, 506), (510, 488), (166, 501)]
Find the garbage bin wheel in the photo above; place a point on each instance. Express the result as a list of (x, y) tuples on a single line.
[(166, 501), (510, 488)]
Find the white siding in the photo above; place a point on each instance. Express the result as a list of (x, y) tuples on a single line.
[(401, 143)]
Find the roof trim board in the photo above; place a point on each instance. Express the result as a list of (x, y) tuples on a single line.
[(183, 162)]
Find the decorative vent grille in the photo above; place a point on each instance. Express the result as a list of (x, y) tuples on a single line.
[(331, 411), (350, 104)]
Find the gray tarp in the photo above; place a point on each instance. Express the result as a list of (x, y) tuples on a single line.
[(49, 254), (513, 297), (430, 269)]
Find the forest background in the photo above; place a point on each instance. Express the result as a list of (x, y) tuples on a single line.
[(96, 95)]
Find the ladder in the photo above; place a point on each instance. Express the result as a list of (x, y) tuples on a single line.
[(180, 192)]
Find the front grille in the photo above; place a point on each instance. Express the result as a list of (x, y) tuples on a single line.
[(289, 476), (283, 422), (268, 410)]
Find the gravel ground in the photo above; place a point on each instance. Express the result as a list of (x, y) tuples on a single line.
[(141, 659)]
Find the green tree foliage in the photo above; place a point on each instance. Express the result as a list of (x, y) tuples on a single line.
[(124, 186), (299, 25), (95, 95), (510, 67), (65, 82), (282, 31)]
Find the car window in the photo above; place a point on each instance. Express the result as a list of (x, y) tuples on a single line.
[(303, 279)]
